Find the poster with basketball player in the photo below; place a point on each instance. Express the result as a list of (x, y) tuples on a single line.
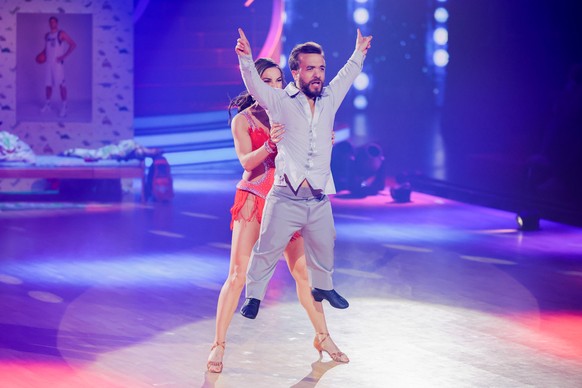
[(54, 67)]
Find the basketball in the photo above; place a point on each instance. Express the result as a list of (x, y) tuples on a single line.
[(41, 58)]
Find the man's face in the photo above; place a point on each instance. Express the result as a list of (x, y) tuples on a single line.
[(310, 75), (53, 24)]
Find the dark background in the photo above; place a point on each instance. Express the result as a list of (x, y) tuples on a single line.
[(507, 133), (512, 120)]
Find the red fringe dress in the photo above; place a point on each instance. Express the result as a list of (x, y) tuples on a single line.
[(259, 187)]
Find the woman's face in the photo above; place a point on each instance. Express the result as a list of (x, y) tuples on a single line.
[(273, 77)]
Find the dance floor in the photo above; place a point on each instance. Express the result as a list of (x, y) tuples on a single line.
[(443, 294)]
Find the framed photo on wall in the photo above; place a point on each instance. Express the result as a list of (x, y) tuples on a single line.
[(48, 86)]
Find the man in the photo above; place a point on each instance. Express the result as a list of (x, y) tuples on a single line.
[(298, 199), (58, 46)]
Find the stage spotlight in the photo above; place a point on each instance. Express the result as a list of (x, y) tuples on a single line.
[(401, 193), (369, 172), (441, 36), (528, 220), (360, 102), (441, 15), (362, 81), (368, 159), (361, 170), (441, 57), (361, 16)]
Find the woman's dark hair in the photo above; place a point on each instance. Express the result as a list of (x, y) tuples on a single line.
[(244, 100)]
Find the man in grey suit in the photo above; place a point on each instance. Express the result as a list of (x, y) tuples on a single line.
[(299, 199)]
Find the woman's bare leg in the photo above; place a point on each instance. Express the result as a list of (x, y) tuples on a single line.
[(295, 256), (244, 236)]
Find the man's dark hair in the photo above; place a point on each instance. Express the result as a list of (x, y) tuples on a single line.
[(303, 48), (53, 18)]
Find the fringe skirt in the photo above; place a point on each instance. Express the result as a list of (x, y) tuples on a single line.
[(240, 199)]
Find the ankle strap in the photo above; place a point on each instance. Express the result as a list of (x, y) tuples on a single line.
[(216, 344), (325, 336)]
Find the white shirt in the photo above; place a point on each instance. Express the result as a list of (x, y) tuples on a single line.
[(305, 150), (54, 47)]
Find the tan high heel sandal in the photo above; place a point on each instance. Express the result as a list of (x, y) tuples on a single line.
[(337, 356), (216, 366)]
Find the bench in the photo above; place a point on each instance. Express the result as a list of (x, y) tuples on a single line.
[(69, 168)]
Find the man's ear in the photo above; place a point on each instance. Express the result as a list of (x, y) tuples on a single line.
[(295, 74)]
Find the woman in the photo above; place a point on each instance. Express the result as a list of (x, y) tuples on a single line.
[(256, 146)]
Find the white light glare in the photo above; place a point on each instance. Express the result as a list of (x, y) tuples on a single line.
[(362, 81), (440, 58), (361, 16), (362, 1), (441, 15), (441, 36), (360, 102), (283, 61)]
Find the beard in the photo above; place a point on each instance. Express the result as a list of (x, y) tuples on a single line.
[(310, 90)]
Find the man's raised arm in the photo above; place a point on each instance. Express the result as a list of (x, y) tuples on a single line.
[(341, 83), (263, 93)]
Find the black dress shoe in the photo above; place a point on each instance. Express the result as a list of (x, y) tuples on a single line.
[(250, 308), (334, 299)]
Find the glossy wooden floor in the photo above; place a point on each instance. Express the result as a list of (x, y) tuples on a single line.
[(442, 294)]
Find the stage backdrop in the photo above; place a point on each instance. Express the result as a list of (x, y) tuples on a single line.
[(99, 74), (512, 117)]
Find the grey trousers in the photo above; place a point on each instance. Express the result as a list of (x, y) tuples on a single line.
[(285, 213)]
